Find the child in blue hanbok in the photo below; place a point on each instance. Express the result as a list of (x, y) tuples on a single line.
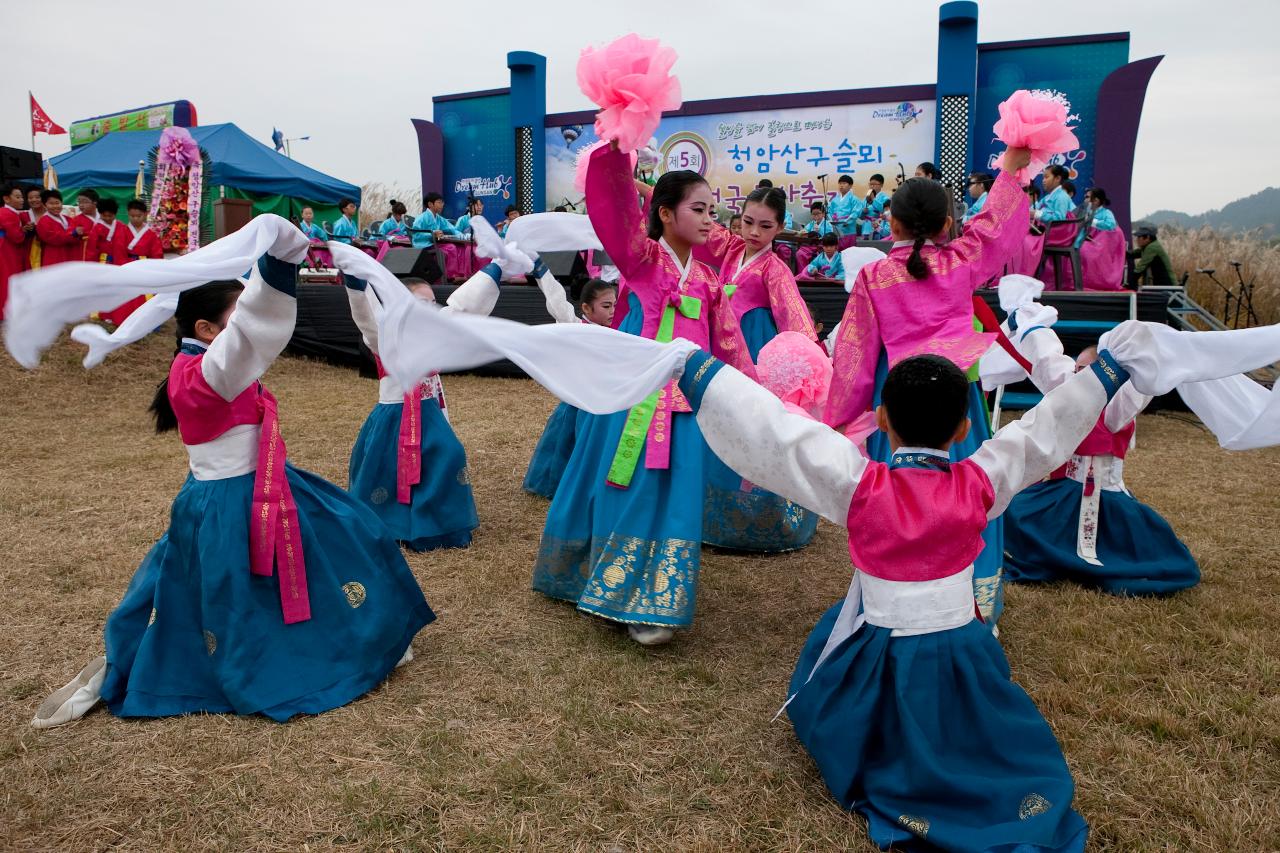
[(272, 592)]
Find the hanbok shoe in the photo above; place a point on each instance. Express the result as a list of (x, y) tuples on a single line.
[(650, 635), (406, 657), (73, 701)]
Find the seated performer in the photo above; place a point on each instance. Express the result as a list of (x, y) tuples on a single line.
[(979, 185), (309, 227), (901, 694), (828, 263), (345, 229), (397, 224), (1083, 524), (818, 223)]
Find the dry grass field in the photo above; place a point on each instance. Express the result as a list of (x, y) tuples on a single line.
[(521, 725)]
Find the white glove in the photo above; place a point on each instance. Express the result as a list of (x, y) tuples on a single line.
[(1017, 291)]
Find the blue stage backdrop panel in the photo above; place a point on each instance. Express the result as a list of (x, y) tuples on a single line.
[(479, 153), (1074, 66)]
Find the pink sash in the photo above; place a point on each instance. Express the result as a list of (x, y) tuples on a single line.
[(409, 457), (275, 537)]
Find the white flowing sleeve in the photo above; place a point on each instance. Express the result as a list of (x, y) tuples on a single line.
[(365, 315), (1126, 405), (1027, 450), (803, 460), (257, 331), (558, 305), (1050, 366), (476, 295)]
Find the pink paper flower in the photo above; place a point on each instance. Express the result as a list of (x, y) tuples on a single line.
[(797, 371), (177, 147), (1036, 120), (629, 80), (584, 158)]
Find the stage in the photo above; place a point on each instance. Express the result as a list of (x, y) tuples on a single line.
[(325, 330)]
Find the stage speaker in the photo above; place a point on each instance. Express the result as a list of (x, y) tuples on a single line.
[(405, 262), (17, 164), (567, 267)]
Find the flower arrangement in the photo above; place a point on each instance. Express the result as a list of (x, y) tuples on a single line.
[(177, 192)]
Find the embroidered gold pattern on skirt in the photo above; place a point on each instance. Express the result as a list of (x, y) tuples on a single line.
[(916, 825), (464, 476), (1032, 805), (151, 620), (754, 521), (624, 578), (210, 642), (378, 496), (355, 593), (984, 592)]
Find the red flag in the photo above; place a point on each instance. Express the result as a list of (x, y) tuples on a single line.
[(40, 121)]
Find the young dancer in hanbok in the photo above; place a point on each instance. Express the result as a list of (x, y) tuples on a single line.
[(623, 535), (764, 297), (555, 445), (920, 300), (407, 464), (273, 591), (1083, 524), (140, 241), (901, 694)]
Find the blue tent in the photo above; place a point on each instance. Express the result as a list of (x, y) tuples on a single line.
[(240, 162)]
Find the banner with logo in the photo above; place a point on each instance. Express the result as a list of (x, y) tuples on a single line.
[(803, 150), (156, 117), (1074, 70), (479, 154)]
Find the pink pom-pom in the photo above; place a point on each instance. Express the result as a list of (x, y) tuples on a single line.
[(797, 371), (1036, 120), (629, 80), (584, 159), (177, 147)]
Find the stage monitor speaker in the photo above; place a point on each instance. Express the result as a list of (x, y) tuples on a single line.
[(408, 262), (567, 267), (17, 164)]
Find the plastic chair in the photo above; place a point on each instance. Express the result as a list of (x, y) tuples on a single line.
[(1060, 243)]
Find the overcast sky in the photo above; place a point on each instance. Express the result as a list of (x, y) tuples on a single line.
[(351, 75)]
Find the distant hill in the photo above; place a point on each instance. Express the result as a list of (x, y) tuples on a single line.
[(1260, 211)]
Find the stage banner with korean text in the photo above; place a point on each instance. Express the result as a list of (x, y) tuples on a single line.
[(803, 150)]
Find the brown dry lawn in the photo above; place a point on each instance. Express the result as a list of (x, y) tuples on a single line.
[(521, 725)]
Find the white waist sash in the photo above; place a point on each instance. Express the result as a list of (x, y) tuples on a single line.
[(231, 454), (908, 608), (1108, 471), (389, 390)]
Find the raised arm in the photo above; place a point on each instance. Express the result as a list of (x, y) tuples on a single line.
[(478, 294), (719, 244), (363, 312), (1050, 366), (1025, 451), (558, 304), (992, 236), (857, 351), (257, 331), (614, 209), (1124, 407), (751, 432)]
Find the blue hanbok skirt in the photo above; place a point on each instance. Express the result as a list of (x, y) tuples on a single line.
[(197, 632), (988, 569), (630, 555), (752, 519), (928, 738), (1139, 552), (550, 457), (441, 512)]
